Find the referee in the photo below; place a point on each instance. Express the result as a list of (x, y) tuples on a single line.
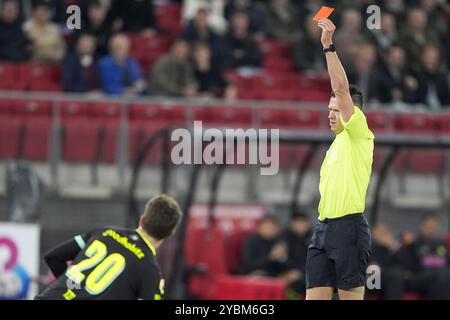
[(340, 246), (114, 263)]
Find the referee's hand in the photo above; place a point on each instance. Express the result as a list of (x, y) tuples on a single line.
[(328, 29)]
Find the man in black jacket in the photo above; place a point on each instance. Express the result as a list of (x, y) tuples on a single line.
[(13, 42)]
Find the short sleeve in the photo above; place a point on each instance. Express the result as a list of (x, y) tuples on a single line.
[(357, 125)]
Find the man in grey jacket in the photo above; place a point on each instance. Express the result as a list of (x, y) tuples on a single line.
[(173, 74)]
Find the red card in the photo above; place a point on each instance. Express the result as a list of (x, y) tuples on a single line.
[(323, 13)]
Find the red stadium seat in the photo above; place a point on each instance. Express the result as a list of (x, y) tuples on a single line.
[(30, 109), (415, 123), (35, 115), (80, 133), (443, 123), (35, 76), (205, 249), (379, 121), (275, 48), (105, 112), (301, 118), (172, 114), (313, 95), (230, 116), (37, 139), (416, 160), (71, 110), (249, 288), (8, 75), (140, 132), (277, 63), (6, 107), (9, 136), (80, 140)]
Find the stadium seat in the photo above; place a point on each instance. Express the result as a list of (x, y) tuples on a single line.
[(8, 75), (35, 76), (6, 107), (105, 112), (31, 109), (249, 288), (9, 136), (277, 63), (379, 121), (37, 139), (415, 123), (172, 114), (274, 48), (443, 123), (301, 118), (80, 140), (140, 132), (80, 132), (205, 249), (71, 110), (418, 160)]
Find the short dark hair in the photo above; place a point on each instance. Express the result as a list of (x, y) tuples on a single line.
[(428, 216), (161, 216), (270, 218), (356, 96)]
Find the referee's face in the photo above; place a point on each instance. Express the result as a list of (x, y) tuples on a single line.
[(334, 117)]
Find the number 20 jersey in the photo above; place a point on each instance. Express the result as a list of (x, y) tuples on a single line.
[(112, 264)]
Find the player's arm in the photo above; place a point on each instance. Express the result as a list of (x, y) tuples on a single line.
[(57, 257), (339, 81)]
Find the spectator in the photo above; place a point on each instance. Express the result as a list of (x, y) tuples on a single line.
[(173, 73), (393, 83), (134, 16), (433, 82), (256, 24), (95, 23), (415, 36), (48, 45), (307, 53), (13, 42), (215, 8), (265, 254), (198, 30), (120, 74), (80, 70), (435, 17), (281, 21), (387, 35), (362, 71), (385, 256), (241, 48), (426, 262), (210, 81), (396, 8), (297, 237), (349, 37)]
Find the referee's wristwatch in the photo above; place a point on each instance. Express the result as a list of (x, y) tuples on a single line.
[(331, 48)]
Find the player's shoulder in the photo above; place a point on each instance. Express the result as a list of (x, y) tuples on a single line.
[(110, 230)]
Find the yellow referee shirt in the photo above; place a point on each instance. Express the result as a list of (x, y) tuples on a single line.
[(346, 169)]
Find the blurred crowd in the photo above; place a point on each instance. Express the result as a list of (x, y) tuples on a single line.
[(414, 264), (404, 61)]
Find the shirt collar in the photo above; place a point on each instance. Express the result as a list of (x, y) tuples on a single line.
[(151, 247)]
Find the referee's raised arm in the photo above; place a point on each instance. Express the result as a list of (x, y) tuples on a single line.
[(339, 82)]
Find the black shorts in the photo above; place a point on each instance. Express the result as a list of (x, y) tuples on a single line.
[(339, 253)]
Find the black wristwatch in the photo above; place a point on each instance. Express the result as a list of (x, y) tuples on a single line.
[(331, 48)]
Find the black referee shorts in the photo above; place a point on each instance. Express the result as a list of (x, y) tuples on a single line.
[(339, 253)]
